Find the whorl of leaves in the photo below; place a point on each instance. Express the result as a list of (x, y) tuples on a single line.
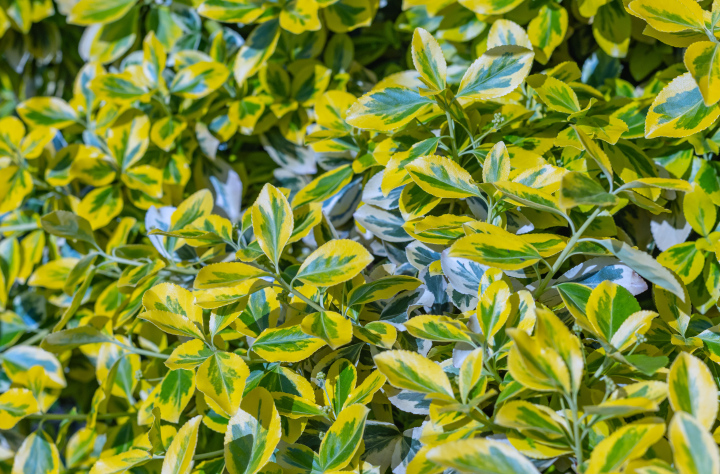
[(353, 236)]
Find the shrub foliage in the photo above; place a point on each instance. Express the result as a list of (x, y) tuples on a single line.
[(335, 236)]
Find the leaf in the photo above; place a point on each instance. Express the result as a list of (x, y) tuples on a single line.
[(685, 260), (377, 333), (547, 30), (497, 164), (298, 16), (525, 416), (198, 80), (222, 379), (219, 275), (191, 209), (189, 355), (165, 132), (37, 453), (493, 309), (442, 177), (488, 7), (53, 274), (272, 222), (258, 47), (342, 440), (16, 404), (555, 94), (61, 341), (173, 323), (702, 59), (612, 28), (381, 289), (577, 189), (627, 443), (121, 462), (428, 59), (173, 299), (411, 371), (679, 109), (496, 73), (68, 225), (323, 187), (530, 197), (252, 433), (47, 112), (482, 456), (90, 12), (179, 456), (536, 365), (608, 307), (288, 344), (700, 212), (100, 206), (334, 262), (15, 184), (693, 389), (644, 265), (387, 109), (329, 326), (437, 328), (505, 32), (121, 88), (230, 11), (694, 449), (176, 390), (670, 16), (498, 248)]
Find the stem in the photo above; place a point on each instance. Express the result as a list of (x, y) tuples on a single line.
[(576, 432), (135, 350), (566, 251), (305, 299), (173, 269), (451, 128), (76, 416)]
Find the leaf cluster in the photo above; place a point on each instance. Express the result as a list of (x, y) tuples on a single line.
[(352, 236)]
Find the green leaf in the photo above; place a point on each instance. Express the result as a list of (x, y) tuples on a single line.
[(694, 449), (442, 177), (412, 371), (679, 110), (252, 433), (68, 225), (289, 344), (496, 73), (387, 109), (578, 189), (482, 456), (334, 262), (428, 59), (272, 222), (342, 440), (644, 265)]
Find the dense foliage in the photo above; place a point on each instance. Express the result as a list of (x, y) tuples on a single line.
[(335, 236)]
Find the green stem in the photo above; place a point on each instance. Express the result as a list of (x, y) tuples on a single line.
[(135, 350), (566, 251), (577, 448), (76, 416), (451, 129), (289, 288), (172, 269)]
